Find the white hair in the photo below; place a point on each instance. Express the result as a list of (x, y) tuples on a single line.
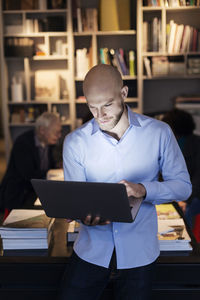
[(46, 119)]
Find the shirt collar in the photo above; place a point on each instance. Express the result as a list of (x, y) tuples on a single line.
[(132, 117)]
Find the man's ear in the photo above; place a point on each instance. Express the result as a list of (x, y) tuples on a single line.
[(124, 92)]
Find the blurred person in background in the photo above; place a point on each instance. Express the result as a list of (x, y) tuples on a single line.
[(31, 157), (183, 125)]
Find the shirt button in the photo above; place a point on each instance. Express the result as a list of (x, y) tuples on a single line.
[(116, 231)]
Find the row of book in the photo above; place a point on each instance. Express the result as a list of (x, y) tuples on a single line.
[(86, 19), (182, 38), (179, 38), (164, 66), (171, 3), (152, 35), (26, 232), (123, 60)]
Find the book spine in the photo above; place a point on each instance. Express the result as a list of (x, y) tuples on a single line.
[(132, 63)]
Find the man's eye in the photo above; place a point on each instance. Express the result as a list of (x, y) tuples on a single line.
[(108, 104)]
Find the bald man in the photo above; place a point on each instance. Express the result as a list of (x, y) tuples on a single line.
[(118, 145)]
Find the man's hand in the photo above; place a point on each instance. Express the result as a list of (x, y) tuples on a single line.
[(90, 221), (134, 190)]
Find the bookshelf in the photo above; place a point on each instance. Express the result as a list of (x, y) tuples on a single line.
[(67, 51), (100, 44), (36, 69), (33, 48), (170, 52)]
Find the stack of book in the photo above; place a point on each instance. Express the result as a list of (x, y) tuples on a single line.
[(26, 232), (172, 233)]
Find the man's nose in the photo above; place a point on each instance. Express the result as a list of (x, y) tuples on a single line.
[(100, 113)]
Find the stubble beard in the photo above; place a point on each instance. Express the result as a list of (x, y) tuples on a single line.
[(113, 121)]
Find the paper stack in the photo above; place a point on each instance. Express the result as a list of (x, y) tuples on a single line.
[(26, 232)]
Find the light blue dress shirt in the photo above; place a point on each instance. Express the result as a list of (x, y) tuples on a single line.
[(147, 148)]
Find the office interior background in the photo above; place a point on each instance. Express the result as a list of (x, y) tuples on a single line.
[(48, 46)]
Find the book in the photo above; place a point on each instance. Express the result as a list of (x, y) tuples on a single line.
[(172, 233), (132, 63), (178, 38), (26, 229), (27, 218), (166, 212), (173, 28), (82, 62), (122, 62), (145, 36), (147, 66), (185, 39)]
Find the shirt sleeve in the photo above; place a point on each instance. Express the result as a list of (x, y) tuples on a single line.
[(73, 169), (176, 185)]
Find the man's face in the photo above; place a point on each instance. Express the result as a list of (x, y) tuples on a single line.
[(52, 134), (107, 107)]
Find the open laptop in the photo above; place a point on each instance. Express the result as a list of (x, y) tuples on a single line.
[(75, 200)]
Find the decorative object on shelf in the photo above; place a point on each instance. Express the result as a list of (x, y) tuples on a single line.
[(42, 4), (82, 62), (160, 66), (16, 89), (132, 63), (193, 66), (47, 85), (19, 47), (147, 65), (114, 15)]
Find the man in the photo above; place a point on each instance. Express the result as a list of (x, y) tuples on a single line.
[(118, 145), (31, 157)]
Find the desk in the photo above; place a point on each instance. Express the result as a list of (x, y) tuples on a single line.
[(37, 278)]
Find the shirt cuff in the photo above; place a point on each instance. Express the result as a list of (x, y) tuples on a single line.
[(151, 191)]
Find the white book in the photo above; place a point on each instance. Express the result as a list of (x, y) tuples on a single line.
[(82, 62), (178, 38), (173, 27), (147, 66), (185, 39)]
